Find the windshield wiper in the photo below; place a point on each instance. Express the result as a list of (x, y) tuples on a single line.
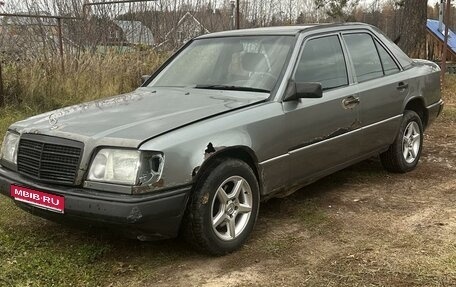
[(231, 88)]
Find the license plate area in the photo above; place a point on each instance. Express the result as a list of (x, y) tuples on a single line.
[(44, 200)]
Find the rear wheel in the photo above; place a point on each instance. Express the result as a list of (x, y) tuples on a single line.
[(223, 208), (403, 155)]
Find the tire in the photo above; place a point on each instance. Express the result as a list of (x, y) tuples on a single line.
[(210, 211), (403, 155)]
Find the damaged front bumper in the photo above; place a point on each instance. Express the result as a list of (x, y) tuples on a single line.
[(147, 216)]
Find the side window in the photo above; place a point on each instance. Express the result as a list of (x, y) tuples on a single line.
[(364, 56), (389, 66), (322, 61)]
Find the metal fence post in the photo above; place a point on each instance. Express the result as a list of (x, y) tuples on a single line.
[(2, 93), (59, 30)]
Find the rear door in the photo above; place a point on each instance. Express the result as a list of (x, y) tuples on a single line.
[(320, 129), (382, 88)]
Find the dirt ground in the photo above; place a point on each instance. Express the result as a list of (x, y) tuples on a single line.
[(359, 227)]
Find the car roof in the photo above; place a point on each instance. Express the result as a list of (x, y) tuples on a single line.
[(281, 30)]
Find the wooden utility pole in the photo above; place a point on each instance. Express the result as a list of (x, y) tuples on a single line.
[(445, 45)]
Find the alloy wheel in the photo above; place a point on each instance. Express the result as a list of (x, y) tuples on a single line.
[(411, 142), (231, 208)]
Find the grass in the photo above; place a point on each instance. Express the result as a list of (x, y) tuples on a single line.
[(278, 245), (311, 215), (10, 115), (449, 113), (38, 253), (449, 91)]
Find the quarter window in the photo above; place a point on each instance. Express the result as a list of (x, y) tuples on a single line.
[(389, 65), (322, 61), (364, 56)]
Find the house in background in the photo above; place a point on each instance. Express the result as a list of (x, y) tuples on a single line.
[(186, 29), (104, 34), (135, 33), (435, 42)]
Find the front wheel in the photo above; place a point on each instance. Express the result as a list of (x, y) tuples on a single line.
[(403, 155), (223, 207)]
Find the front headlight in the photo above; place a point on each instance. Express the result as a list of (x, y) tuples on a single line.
[(9, 147), (115, 166), (123, 166)]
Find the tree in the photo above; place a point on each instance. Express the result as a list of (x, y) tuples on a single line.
[(301, 18), (412, 27), (339, 10)]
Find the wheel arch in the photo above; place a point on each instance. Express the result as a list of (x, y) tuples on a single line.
[(417, 105), (240, 152)]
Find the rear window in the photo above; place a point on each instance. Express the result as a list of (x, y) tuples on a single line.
[(364, 56)]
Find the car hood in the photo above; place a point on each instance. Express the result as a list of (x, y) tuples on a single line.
[(137, 116)]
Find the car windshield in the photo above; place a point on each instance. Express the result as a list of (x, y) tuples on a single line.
[(231, 63)]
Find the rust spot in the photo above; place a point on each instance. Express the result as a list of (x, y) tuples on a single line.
[(195, 171), (159, 183), (210, 148), (205, 198)]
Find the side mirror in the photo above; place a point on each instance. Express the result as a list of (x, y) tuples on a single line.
[(144, 78), (297, 91)]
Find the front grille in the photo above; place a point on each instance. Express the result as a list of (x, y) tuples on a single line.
[(49, 159)]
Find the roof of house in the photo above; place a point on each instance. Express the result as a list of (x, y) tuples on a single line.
[(433, 27), (135, 32), (186, 16)]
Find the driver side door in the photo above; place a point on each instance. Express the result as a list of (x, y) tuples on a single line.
[(322, 131)]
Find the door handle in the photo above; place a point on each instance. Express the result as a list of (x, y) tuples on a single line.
[(350, 102), (402, 86)]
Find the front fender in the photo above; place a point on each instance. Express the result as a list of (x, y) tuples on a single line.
[(184, 159)]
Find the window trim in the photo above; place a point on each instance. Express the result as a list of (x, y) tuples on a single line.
[(344, 54)]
